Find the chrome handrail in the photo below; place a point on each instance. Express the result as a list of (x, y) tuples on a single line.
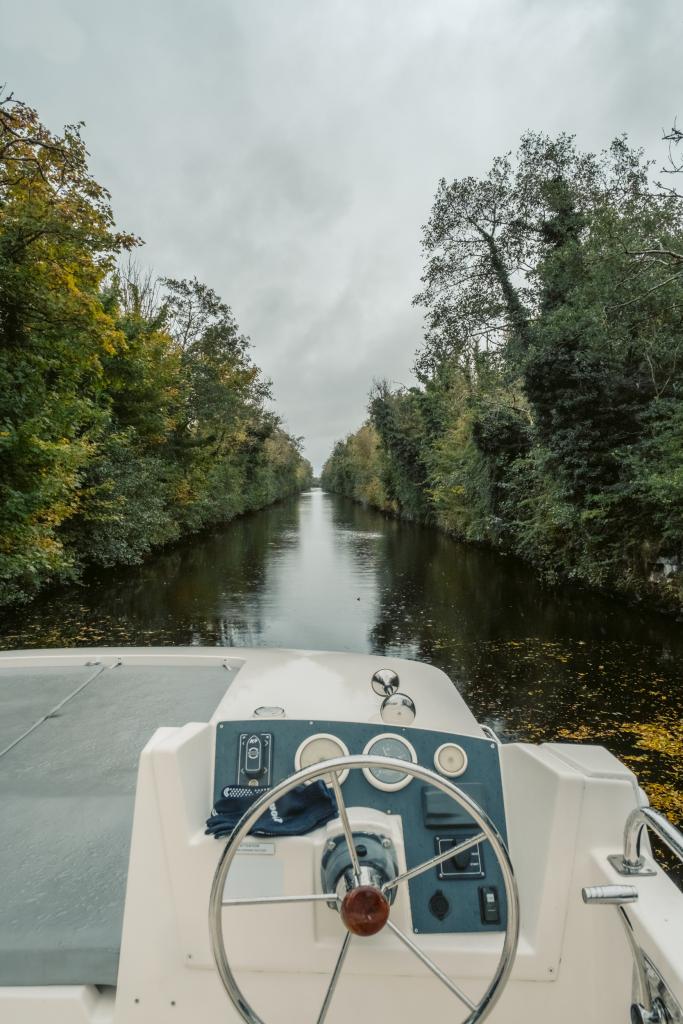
[(633, 861), (657, 1004)]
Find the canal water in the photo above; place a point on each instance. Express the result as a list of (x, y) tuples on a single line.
[(320, 572)]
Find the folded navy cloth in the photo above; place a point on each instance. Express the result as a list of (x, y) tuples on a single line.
[(296, 813)]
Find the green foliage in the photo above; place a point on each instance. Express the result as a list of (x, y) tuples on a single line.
[(357, 468), (399, 420), (549, 421), (127, 495), (130, 410)]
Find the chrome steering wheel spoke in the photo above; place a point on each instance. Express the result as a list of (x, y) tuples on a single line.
[(252, 901), (434, 862), (434, 968), (335, 978), (346, 825)]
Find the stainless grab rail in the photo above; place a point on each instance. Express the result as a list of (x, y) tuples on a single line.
[(660, 825), (632, 861), (657, 1004)]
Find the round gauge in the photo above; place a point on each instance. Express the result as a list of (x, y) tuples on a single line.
[(321, 747), (389, 745), (450, 759)]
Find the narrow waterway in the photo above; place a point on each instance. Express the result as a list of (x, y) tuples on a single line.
[(321, 572)]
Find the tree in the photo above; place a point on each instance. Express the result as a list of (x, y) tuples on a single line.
[(57, 245), (486, 238)]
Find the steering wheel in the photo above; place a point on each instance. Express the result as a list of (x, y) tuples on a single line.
[(365, 909)]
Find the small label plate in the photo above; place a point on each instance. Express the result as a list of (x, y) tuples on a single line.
[(256, 848)]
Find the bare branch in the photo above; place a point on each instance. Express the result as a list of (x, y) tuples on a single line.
[(671, 253), (638, 298)]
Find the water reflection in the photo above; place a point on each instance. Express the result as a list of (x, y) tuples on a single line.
[(320, 572)]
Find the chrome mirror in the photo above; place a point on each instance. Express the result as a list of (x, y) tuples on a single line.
[(397, 709), (384, 682)]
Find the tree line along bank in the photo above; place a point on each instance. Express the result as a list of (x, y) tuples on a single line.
[(547, 419), (131, 412)]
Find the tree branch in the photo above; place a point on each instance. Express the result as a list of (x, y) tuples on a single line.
[(671, 253), (660, 284)]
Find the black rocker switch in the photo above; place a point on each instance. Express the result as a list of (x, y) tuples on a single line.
[(254, 760), (253, 764), (461, 861), (489, 904)]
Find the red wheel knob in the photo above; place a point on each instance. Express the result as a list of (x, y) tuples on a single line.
[(364, 910)]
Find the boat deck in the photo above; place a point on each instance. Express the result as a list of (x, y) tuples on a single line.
[(70, 738)]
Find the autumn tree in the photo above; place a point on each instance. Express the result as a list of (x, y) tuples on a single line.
[(130, 409), (57, 245)]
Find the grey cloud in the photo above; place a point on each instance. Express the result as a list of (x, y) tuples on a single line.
[(286, 151)]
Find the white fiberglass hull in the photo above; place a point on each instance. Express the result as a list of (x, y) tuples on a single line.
[(104, 752)]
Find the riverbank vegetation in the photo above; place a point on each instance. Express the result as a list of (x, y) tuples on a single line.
[(548, 417), (131, 412)]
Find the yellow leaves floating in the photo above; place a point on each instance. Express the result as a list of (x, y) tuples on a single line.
[(667, 799), (580, 734), (663, 737)]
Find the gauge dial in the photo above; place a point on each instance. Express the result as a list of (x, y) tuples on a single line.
[(321, 747), (450, 759), (389, 745)]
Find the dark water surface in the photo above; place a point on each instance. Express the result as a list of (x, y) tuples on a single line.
[(321, 572)]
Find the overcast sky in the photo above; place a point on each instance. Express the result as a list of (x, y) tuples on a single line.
[(286, 152)]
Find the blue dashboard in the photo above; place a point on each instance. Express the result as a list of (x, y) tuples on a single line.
[(463, 896)]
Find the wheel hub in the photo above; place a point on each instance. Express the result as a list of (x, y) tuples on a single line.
[(364, 910)]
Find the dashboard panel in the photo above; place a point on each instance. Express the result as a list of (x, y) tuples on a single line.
[(467, 896)]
